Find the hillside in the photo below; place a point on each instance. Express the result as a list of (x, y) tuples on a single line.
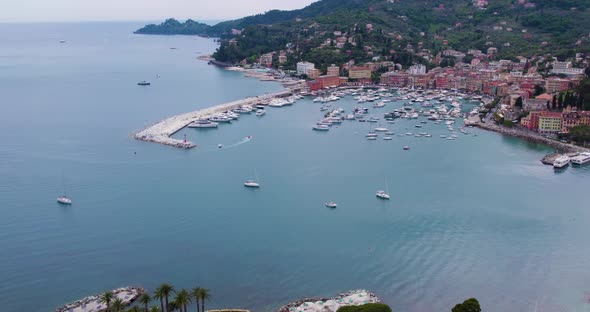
[(514, 27)]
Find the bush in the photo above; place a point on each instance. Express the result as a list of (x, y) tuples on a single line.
[(369, 307)]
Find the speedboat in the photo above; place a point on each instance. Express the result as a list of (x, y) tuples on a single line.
[(251, 183), (331, 205), (143, 83), (381, 129), (561, 162), (406, 148), (387, 138), (260, 112), (64, 200), (371, 134), (382, 195), (581, 159)]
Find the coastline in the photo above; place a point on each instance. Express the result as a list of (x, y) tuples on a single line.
[(93, 303), (560, 147), (331, 304)]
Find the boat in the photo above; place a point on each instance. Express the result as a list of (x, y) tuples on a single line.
[(220, 118), (143, 83), (387, 138), (381, 129), (406, 148), (382, 195), (561, 162), (260, 112), (581, 159), (64, 200), (321, 128), (219, 145), (203, 124), (372, 138), (252, 184), (331, 205), (62, 41)]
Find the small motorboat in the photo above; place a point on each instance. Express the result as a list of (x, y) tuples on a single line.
[(143, 83), (252, 184), (406, 148), (220, 146), (331, 205), (382, 195), (64, 200)]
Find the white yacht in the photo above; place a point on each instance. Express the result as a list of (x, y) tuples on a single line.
[(220, 118), (561, 162), (252, 184), (381, 129), (321, 128), (331, 205), (581, 159), (203, 124), (260, 112), (382, 195), (64, 200), (387, 138)]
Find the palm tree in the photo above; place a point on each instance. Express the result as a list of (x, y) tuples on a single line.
[(133, 309), (183, 298), (106, 298), (155, 309), (164, 291), (204, 294), (118, 304), (196, 293), (145, 299)]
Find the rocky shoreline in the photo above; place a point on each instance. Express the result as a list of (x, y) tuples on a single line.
[(331, 304), (93, 303)]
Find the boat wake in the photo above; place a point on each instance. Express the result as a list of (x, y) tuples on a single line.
[(242, 141)]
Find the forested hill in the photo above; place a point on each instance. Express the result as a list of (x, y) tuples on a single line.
[(514, 27)]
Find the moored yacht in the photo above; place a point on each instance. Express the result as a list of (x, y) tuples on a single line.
[(331, 205), (561, 162), (203, 124), (382, 195), (252, 184), (64, 200), (581, 159), (260, 112)]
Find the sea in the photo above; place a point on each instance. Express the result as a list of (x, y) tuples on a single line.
[(479, 216)]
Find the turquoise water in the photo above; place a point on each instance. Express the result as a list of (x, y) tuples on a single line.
[(479, 216)]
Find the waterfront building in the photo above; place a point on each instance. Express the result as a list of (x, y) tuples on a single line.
[(266, 59), (396, 79), (550, 122), (303, 67), (313, 73), (324, 82), (572, 119), (359, 72)]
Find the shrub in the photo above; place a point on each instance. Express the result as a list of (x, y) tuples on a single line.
[(369, 307)]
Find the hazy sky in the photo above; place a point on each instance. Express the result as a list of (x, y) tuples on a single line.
[(132, 10)]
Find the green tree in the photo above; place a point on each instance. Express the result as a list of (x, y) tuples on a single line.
[(580, 134), (183, 298), (554, 103), (196, 293), (164, 291), (118, 304), (518, 102), (369, 307), (155, 309), (204, 294), (107, 298), (538, 90), (145, 299), (469, 305)]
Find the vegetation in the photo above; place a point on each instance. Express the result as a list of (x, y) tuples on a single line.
[(469, 305), (369, 307), (559, 24), (107, 298), (580, 135)]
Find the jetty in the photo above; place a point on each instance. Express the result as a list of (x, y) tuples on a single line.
[(332, 304), (162, 131), (94, 303)]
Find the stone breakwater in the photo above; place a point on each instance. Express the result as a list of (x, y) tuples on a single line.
[(93, 303), (332, 304), (530, 136), (161, 131)]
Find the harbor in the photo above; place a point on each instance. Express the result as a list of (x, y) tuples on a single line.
[(94, 303), (162, 131)]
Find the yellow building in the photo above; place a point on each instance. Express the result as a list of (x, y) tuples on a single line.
[(550, 123), (359, 72)]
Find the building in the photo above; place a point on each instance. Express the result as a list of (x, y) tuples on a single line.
[(313, 73), (333, 70), (573, 119), (324, 82), (303, 67), (566, 68), (555, 84), (396, 79), (418, 69), (266, 60), (359, 72), (550, 122), (535, 104)]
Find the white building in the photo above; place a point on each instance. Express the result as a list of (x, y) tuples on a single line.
[(418, 69), (304, 67), (566, 68)]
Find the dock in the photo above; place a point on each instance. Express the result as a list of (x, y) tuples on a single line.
[(162, 131)]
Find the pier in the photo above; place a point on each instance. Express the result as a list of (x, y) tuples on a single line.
[(162, 131)]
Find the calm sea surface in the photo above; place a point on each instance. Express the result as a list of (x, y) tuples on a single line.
[(476, 217)]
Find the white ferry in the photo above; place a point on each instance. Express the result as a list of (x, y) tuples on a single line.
[(561, 162), (581, 159)]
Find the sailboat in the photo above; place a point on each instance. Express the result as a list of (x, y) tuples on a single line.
[(252, 183), (383, 194), (64, 200)]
